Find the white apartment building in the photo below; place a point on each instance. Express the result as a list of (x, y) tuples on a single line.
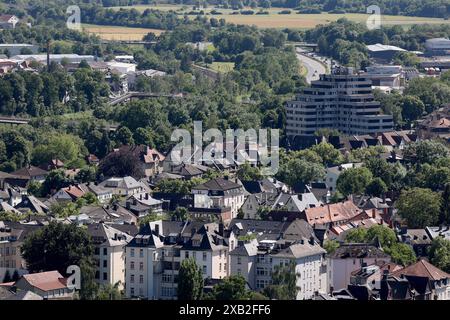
[(219, 193), (333, 174), (154, 256), (109, 253), (342, 100), (350, 257), (257, 260)]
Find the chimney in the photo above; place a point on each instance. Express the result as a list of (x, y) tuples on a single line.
[(374, 213), (311, 240), (140, 196), (157, 229), (115, 207), (146, 196)]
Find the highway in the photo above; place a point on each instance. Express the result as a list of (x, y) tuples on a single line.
[(311, 66)]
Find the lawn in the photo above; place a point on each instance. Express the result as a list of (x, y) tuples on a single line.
[(119, 33), (222, 67), (293, 20)]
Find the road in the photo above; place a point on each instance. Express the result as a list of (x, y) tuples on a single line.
[(311, 66)]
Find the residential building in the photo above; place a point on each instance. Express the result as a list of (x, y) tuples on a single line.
[(342, 100), (125, 186), (427, 281), (256, 261), (330, 215), (154, 256), (12, 236), (219, 193), (333, 173), (8, 21), (58, 58), (350, 257), (31, 173), (435, 125), (50, 285), (109, 253)]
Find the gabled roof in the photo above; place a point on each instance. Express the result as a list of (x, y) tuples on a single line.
[(218, 184), (332, 213), (46, 281), (6, 17), (358, 250), (30, 172), (423, 268)]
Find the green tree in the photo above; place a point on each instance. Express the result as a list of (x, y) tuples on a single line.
[(248, 173), (329, 154), (299, 170), (376, 188), (124, 136), (402, 253), (284, 283), (440, 253), (190, 281), (425, 151), (231, 288), (412, 108), (354, 181), (444, 213), (419, 207), (109, 292), (330, 246), (57, 246)]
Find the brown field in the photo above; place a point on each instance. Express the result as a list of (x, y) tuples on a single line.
[(119, 33), (293, 20)]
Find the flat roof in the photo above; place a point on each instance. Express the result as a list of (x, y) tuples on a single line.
[(383, 47)]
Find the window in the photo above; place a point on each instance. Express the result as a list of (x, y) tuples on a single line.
[(261, 284), (132, 265), (204, 256), (220, 267), (132, 253), (239, 260), (204, 269), (141, 291), (186, 254), (105, 251), (97, 275), (262, 271), (141, 253), (105, 263), (132, 291), (194, 255), (166, 278), (132, 278), (105, 276), (141, 279), (97, 251), (141, 266)]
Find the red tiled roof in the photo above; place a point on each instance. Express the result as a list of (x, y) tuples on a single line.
[(74, 191), (46, 281), (332, 212), (5, 17), (423, 268)]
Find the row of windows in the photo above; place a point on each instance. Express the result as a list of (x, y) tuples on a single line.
[(97, 251), (7, 264), (8, 251)]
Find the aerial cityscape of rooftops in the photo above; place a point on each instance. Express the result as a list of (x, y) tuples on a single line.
[(225, 150)]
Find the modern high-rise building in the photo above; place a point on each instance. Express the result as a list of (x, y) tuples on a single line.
[(342, 100)]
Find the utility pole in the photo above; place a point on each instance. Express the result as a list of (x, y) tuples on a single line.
[(48, 54)]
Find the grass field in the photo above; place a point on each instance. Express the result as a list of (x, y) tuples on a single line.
[(222, 67), (119, 33), (293, 20)]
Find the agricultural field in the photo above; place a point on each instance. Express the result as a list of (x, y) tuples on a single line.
[(119, 33), (293, 20)]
